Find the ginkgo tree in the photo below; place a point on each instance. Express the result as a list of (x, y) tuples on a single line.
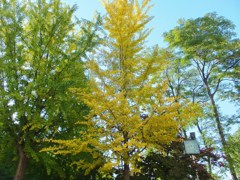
[(41, 51), (130, 111)]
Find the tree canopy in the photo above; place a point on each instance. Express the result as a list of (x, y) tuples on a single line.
[(84, 99), (208, 44), (129, 109), (41, 55)]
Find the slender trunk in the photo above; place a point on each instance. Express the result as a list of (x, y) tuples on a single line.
[(221, 133), (22, 163), (126, 171), (209, 165), (126, 167)]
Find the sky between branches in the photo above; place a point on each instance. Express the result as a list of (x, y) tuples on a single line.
[(166, 13)]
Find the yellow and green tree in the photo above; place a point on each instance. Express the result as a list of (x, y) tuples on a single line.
[(41, 52), (126, 94)]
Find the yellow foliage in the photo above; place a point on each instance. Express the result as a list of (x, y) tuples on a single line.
[(124, 80)]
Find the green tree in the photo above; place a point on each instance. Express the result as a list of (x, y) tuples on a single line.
[(184, 82), (41, 52), (208, 44)]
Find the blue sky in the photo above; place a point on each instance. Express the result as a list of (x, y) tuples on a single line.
[(167, 12)]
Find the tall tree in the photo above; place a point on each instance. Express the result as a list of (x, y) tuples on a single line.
[(129, 108), (40, 59), (183, 81), (208, 44)]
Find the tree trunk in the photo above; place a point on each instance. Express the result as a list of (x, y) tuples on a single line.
[(126, 172), (223, 140), (126, 168), (221, 133), (22, 163)]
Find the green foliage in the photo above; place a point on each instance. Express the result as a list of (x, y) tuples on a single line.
[(208, 45), (41, 58), (8, 157), (233, 148)]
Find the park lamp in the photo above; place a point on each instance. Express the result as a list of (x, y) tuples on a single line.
[(191, 146)]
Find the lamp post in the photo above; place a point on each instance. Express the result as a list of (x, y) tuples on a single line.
[(191, 148)]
